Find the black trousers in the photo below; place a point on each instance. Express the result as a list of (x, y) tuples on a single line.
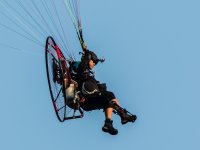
[(98, 101)]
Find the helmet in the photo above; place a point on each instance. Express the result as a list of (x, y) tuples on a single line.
[(92, 56)]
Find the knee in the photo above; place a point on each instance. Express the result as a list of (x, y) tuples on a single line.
[(111, 95), (115, 101)]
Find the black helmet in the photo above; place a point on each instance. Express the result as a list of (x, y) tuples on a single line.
[(92, 56), (89, 55)]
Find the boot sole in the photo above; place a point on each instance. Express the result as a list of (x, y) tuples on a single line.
[(125, 122), (108, 131)]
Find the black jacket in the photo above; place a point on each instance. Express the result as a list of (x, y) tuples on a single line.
[(85, 76)]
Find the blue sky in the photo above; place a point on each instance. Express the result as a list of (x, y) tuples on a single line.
[(152, 65)]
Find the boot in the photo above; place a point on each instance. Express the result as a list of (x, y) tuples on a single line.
[(108, 127), (124, 114), (125, 117)]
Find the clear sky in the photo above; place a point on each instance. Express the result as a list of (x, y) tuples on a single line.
[(152, 52)]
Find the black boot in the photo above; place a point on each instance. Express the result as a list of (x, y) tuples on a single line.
[(124, 114), (125, 117), (108, 127)]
